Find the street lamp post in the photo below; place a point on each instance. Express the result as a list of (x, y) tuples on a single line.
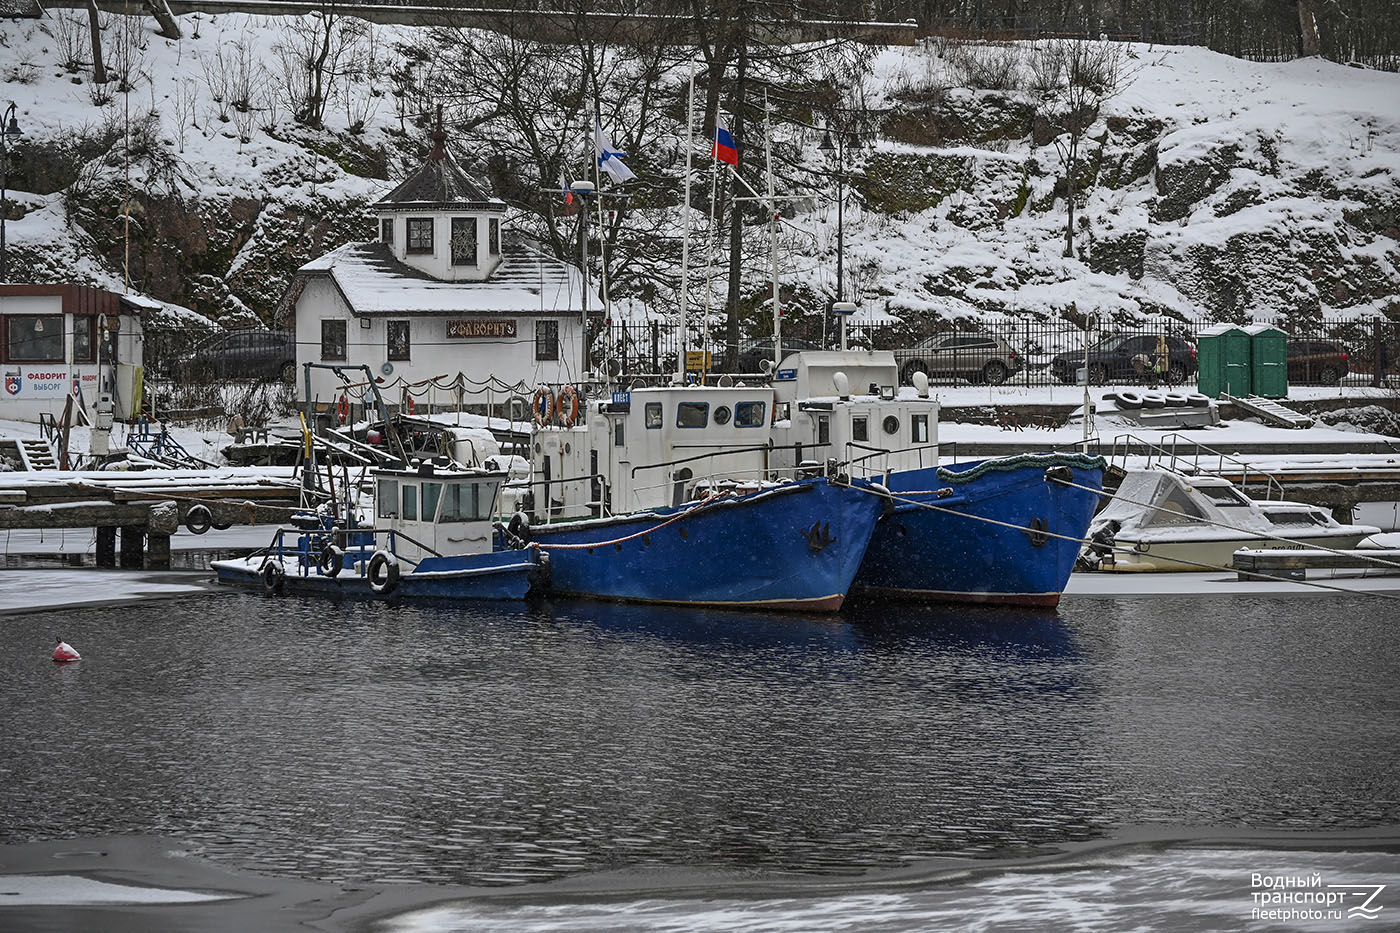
[(839, 147), (9, 129)]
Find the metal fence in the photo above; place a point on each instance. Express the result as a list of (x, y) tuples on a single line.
[(1321, 352)]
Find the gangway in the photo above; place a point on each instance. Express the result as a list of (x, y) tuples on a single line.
[(1269, 411)]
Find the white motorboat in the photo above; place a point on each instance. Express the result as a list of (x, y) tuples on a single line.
[(1160, 519)]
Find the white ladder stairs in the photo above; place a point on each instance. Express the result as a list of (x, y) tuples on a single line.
[(1269, 411), (37, 454)]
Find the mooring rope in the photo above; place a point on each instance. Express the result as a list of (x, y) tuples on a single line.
[(704, 503)]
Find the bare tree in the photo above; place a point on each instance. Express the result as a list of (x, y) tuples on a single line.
[(1075, 78), (319, 50), (186, 100)]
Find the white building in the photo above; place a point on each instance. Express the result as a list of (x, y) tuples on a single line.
[(443, 295), (61, 340)]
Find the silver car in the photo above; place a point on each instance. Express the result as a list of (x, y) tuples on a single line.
[(982, 358)]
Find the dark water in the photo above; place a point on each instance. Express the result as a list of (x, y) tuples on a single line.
[(495, 745)]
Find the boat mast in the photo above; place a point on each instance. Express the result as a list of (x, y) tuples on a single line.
[(773, 234), (685, 235)]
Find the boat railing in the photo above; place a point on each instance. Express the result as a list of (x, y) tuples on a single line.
[(310, 543), (926, 454), (601, 503), (1188, 455)]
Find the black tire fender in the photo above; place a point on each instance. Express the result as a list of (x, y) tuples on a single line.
[(331, 561), (273, 577), (383, 573), (198, 519)]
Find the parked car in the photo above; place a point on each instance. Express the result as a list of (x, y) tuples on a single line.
[(1316, 362), (752, 353), (1112, 358), (244, 354), (974, 357)]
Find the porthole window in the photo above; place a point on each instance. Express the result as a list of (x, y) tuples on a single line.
[(722, 414), (891, 424)]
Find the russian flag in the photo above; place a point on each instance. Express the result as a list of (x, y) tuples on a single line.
[(724, 148)]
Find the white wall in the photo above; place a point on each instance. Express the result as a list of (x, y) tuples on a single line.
[(438, 263), (31, 389), (432, 353)]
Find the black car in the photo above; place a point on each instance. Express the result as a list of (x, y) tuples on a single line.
[(752, 353), (244, 354), (1128, 356)]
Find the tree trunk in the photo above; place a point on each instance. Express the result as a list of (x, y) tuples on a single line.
[(1307, 30), (161, 11), (99, 72)]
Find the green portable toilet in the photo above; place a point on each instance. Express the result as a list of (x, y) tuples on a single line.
[(1222, 352), (1268, 360)]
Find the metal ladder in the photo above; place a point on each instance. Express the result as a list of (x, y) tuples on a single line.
[(1270, 411)]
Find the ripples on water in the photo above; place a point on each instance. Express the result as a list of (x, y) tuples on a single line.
[(496, 745)]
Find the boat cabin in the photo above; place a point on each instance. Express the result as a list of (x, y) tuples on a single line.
[(650, 448), (432, 508), (847, 405)]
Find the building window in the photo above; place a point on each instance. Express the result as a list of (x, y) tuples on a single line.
[(386, 230), (420, 234), (333, 340), (692, 414), (399, 346), (84, 339), (494, 235), (463, 241), (653, 415), (546, 340), (34, 338)]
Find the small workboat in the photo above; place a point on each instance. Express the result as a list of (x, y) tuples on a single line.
[(1164, 520), (433, 536)]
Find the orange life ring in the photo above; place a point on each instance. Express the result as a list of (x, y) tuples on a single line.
[(568, 406), (543, 406), (342, 409)]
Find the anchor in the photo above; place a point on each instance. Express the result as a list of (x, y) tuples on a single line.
[(818, 536)]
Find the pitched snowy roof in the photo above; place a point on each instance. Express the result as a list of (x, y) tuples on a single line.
[(440, 184), (527, 281)]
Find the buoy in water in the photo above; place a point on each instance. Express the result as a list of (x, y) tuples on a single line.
[(64, 653)]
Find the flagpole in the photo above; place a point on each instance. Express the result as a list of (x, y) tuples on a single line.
[(709, 269), (685, 236)]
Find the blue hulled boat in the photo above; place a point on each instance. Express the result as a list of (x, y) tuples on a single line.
[(998, 531), (986, 531), (433, 537), (665, 495)]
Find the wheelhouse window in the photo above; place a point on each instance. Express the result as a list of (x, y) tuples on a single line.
[(84, 339), (398, 340), (34, 338), (333, 340), (918, 429), (1224, 495), (494, 236), (464, 241), (692, 414), (410, 502), (386, 230), (619, 434), (420, 234), (860, 429), (653, 415), (432, 495), (823, 429), (546, 340), (749, 414), (467, 502), (386, 498)]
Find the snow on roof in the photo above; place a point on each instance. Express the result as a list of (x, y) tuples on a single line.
[(527, 281), (440, 182)]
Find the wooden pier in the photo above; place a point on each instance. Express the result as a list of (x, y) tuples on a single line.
[(136, 513), (1294, 564)]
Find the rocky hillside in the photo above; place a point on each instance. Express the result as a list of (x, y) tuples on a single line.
[(1207, 186)]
